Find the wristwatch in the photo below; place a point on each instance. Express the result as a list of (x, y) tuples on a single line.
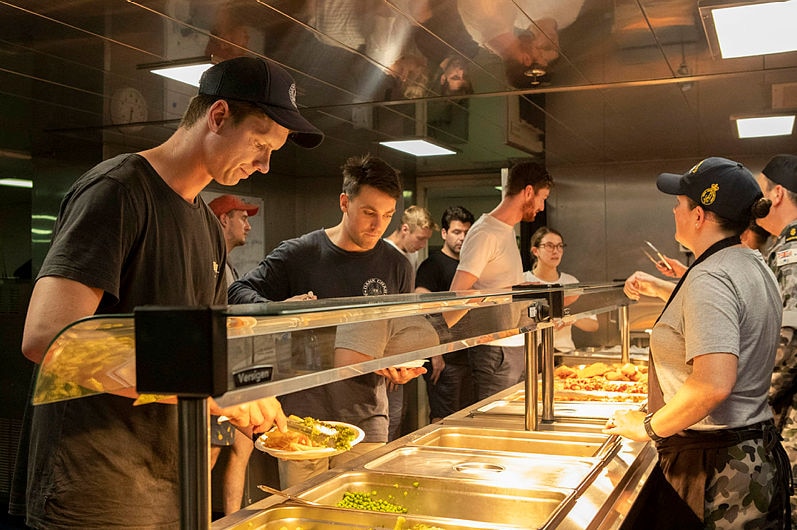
[(648, 429)]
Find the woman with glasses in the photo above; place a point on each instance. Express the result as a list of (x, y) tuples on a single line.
[(547, 248)]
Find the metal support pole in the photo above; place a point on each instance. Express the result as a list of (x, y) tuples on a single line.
[(625, 334), (547, 375), (195, 512), (532, 368)]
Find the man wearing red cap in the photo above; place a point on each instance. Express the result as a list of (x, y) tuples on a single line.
[(233, 214)]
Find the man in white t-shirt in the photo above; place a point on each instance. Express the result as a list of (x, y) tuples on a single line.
[(490, 259)]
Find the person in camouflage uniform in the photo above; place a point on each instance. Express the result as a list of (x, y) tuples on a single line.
[(778, 182)]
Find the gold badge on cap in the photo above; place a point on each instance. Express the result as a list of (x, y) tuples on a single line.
[(709, 194)]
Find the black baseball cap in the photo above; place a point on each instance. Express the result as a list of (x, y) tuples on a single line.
[(265, 84), (718, 185), (782, 169)]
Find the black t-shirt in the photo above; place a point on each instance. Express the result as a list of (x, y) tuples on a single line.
[(436, 272), (98, 461), (313, 263)]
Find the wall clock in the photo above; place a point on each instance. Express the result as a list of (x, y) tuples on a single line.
[(128, 106)]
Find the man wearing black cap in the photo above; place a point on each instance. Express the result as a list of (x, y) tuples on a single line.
[(778, 181), (133, 231)]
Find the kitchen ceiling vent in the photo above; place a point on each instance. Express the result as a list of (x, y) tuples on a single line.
[(784, 96)]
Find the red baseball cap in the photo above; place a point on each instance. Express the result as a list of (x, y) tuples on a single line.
[(227, 203)]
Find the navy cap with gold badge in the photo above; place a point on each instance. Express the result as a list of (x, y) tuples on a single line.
[(782, 169), (718, 185)]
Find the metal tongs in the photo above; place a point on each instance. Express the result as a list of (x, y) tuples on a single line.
[(321, 434), (658, 262), (275, 491)]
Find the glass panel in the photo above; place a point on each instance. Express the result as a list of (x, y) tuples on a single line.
[(281, 347)]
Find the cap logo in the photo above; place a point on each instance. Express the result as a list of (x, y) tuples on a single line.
[(709, 194), (292, 94)]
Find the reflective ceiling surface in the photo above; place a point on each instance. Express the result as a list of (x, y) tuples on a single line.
[(571, 81)]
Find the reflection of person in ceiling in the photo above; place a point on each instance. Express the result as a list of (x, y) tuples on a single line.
[(233, 34), (241, 27), (525, 36), (378, 31), (454, 78), (443, 30)]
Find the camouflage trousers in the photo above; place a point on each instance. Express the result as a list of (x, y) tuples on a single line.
[(740, 493), (788, 421), (738, 478)]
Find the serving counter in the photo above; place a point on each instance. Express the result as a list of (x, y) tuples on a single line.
[(550, 470)]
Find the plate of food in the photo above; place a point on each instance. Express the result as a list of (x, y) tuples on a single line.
[(412, 364), (308, 438)]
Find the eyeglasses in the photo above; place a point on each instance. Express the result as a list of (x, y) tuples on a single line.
[(550, 247)]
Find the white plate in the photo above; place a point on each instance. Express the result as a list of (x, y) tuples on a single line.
[(412, 364), (321, 452)]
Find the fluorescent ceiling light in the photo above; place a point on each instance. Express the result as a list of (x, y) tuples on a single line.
[(742, 29), (765, 126), (418, 147), (16, 183), (187, 71)]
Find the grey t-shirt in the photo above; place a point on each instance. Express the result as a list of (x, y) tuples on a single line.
[(729, 303)]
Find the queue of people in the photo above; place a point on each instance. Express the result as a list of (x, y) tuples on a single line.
[(727, 322)]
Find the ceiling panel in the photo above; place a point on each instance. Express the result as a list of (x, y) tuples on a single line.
[(610, 80)]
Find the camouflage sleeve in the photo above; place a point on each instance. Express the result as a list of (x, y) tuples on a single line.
[(783, 260), (784, 264), (784, 375)]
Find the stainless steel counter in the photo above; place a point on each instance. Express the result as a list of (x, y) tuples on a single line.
[(478, 470), (240, 353)]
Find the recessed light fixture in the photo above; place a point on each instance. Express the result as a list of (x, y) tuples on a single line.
[(419, 147), (16, 183), (187, 71), (742, 29), (761, 126)]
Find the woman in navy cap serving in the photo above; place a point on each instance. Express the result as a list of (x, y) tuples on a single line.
[(712, 353)]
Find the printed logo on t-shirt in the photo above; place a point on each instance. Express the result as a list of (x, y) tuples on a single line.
[(374, 286)]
